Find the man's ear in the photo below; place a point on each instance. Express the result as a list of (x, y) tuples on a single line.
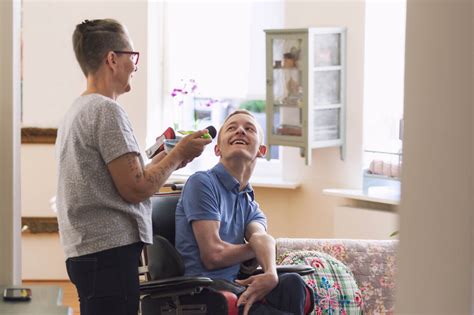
[(217, 151), (262, 150)]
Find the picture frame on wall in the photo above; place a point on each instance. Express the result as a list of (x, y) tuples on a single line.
[(38, 135)]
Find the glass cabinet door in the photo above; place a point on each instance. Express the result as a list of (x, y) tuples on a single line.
[(327, 48), (287, 87), (327, 86)]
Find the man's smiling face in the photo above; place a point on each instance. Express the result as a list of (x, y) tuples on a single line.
[(240, 137)]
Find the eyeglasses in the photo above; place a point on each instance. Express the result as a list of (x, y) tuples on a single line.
[(134, 54)]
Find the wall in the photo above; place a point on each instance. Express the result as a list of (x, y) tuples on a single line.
[(42, 257), (366, 224), (306, 212), (436, 248)]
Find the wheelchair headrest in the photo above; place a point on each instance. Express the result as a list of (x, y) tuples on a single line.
[(163, 215)]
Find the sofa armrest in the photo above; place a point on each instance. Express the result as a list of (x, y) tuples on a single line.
[(333, 246)]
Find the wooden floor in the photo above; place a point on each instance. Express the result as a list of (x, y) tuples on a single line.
[(69, 292)]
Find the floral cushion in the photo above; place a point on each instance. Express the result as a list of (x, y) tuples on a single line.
[(372, 263), (335, 290)]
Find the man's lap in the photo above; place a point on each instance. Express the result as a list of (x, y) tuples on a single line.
[(289, 295)]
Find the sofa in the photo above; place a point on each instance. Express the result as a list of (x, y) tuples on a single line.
[(372, 263)]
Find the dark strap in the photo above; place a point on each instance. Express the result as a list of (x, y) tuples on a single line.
[(225, 285)]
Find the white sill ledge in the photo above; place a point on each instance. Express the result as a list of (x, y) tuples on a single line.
[(358, 194), (264, 182)]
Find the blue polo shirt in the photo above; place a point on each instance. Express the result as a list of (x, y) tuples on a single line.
[(214, 195)]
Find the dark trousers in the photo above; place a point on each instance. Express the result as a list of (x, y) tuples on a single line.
[(288, 297), (107, 282)]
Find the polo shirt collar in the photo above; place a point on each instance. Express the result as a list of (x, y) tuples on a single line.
[(229, 182)]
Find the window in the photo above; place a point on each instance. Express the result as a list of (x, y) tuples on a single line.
[(384, 82), (221, 47)]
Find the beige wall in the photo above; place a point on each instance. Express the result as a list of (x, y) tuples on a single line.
[(42, 257), (38, 184), (436, 249), (52, 77), (306, 212)]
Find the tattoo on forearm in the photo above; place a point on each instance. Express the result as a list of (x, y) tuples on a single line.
[(134, 168), (150, 179), (157, 176), (138, 176)]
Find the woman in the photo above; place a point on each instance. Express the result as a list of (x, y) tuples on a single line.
[(104, 211)]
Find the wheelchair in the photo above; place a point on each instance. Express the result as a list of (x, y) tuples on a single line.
[(166, 289)]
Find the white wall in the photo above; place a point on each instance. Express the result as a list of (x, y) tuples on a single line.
[(436, 249), (306, 212)]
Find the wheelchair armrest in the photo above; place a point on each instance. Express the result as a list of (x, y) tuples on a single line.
[(171, 285), (302, 270)]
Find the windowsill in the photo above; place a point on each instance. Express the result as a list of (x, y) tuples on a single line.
[(357, 194), (255, 181)]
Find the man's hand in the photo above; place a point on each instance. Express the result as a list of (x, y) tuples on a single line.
[(192, 145), (257, 288)]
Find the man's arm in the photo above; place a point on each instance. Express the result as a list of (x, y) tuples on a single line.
[(215, 253), (260, 285), (263, 245), (135, 183)]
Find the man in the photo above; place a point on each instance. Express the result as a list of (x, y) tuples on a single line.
[(219, 225)]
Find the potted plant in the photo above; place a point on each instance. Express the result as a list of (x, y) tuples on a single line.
[(254, 106), (257, 108)]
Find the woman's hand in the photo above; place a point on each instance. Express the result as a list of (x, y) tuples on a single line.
[(192, 145)]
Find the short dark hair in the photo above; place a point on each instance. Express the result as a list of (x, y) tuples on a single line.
[(245, 112), (93, 39)]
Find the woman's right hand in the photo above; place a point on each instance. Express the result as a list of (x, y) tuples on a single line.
[(192, 145)]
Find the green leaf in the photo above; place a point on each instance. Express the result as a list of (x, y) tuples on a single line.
[(256, 106)]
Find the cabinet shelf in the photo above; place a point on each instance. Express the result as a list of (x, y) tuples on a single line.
[(288, 106), (328, 68), (326, 144), (287, 69), (305, 74), (332, 106), (299, 142)]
